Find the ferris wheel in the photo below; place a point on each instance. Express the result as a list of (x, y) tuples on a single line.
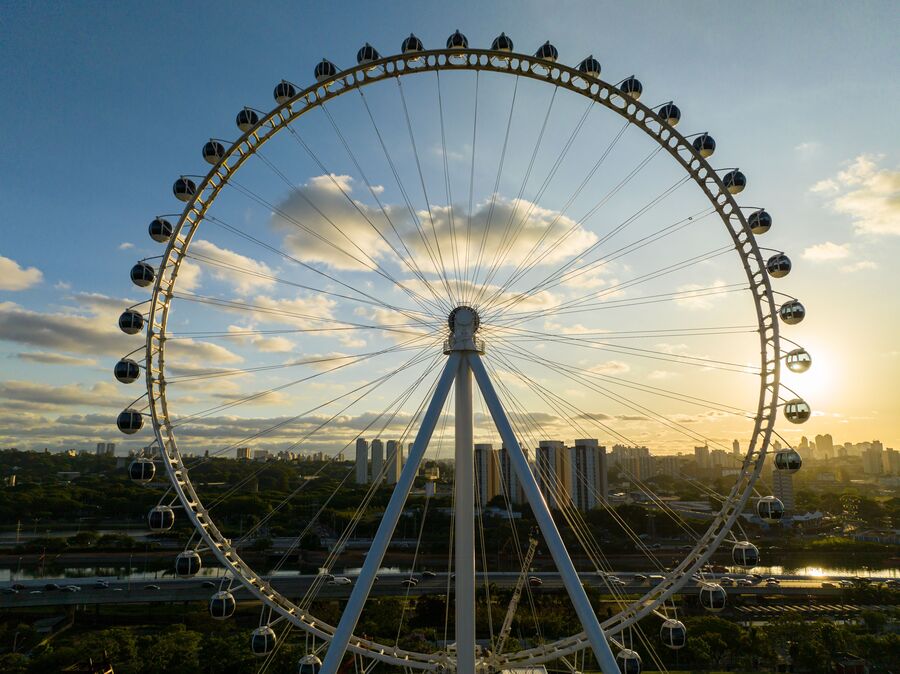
[(483, 225)]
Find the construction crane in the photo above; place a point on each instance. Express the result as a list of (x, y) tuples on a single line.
[(517, 593)]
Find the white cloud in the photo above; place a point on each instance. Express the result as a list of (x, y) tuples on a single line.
[(243, 273), (126, 246), (826, 252), (14, 277), (611, 367), (47, 358), (30, 395), (264, 343), (808, 147), (858, 266), (867, 193), (696, 296)]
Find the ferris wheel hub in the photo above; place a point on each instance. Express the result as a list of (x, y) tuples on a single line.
[(464, 323)]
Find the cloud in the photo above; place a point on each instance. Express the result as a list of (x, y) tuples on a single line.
[(319, 223), (858, 266), (264, 343), (33, 396), (47, 358), (826, 252), (14, 277), (126, 246), (866, 192), (611, 367), (696, 296), (243, 273), (660, 374), (807, 147)]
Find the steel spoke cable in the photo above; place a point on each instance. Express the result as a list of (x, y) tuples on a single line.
[(412, 140), (372, 265), (248, 332), (627, 383), (495, 192), (376, 300), (253, 273), (497, 257), (421, 355), (447, 186), (409, 260), (471, 186), (414, 216)]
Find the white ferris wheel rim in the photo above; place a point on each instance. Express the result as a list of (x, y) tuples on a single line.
[(593, 88)]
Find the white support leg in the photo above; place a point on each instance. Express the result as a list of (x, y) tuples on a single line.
[(375, 555), (464, 534), (545, 521)]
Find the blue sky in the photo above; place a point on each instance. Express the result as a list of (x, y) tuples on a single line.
[(106, 104)]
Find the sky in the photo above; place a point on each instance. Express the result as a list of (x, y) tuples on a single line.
[(105, 105)]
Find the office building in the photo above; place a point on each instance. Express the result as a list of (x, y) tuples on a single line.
[(589, 480), (362, 461), (487, 479), (377, 459), (783, 488), (394, 461), (553, 473), (509, 481)]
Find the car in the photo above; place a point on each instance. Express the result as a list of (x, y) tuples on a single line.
[(640, 578), (726, 580), (17, 586), (615, 580), (152, 587), (36, 592), (657, 577), (824, 585), (534, 581), (339, 580), (773, 579), (51, 587), (429, 574), (208, 583), (69, 588), (409, 582), (744, 582), (772, 582), (101, 584), (118, 589), (10, 590)]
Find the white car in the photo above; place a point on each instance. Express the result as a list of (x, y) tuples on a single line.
[(340, 580), (640, 578), (744, 582)]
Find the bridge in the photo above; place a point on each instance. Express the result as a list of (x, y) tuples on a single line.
[(147, 591)]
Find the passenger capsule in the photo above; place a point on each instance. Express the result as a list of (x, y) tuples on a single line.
[(760, 221), (142, 275), (284, 91), (670, 114), (262, 641), (213, 152), (778, 265), (797, 411), (590, 67), (160, 230), (629, 661), (673, 634), (141, 469), (769, 509), (187, 564), (246, 119), (184, 189), (367, 54), (411, 45), (632, 87), (457, 41), (324, 70), (161, 518), (705, 145), (222, 605), (798, 360), (502, 43), (131, 322), (744, 553), (309, 664), (735, 182), (127, 371), (792, 312), (130, 421), (788, 460), (547, 52), (713, 597)]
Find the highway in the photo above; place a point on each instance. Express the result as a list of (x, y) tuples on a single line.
[(200, 588)]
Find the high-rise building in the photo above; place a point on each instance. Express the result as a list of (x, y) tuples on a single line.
[(635, 462), (718, 458), (394, 461), (701, 456), (890, 462), (552, 471), (736, 447), (377, 459), (362, 461), (509, 481), (487, 479), (589, 481), (106, 449), (242, 453), (667, 465), (825, 446), (783, 488), (872, 462)]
